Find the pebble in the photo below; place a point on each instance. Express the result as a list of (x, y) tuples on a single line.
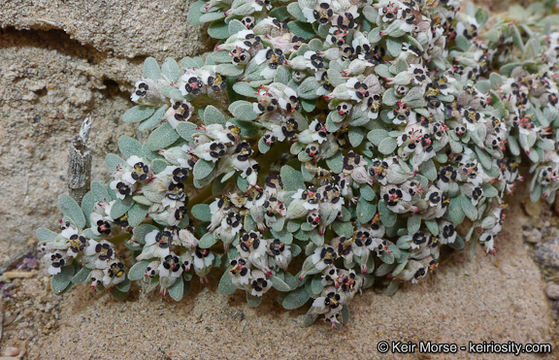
[(533, 236), (547, 254), (11, 351), (552, 291)]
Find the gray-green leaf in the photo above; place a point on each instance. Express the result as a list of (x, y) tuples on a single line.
[(162, 137), (243, 110), (387, 146), (129, 146), (279, 284), (295, 299), (207, 241), (292, 179), (177, 290), (202, 169), (138, 270), (225, 286), (151, 69), (45, 235), (60, 281), (137, 113), (71, 209)]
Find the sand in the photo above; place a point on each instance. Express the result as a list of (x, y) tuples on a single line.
[(82, 57)]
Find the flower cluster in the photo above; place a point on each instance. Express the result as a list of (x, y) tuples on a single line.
[(356, 135)]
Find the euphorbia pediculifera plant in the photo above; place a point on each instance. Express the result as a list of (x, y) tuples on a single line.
[(355, 136)]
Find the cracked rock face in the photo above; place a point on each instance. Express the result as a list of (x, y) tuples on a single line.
[(125, 28), (59, 62)]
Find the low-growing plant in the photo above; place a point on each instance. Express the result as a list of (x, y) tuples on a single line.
[(324, 146)]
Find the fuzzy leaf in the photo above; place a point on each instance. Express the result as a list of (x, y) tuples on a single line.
[(428, 170), (394, 47), (343, 228), (137, 113), (469, 209), (225, 286), (243, 88), (138, 270), (129, 146), (307, 88), (481, 16), (370, 13), (367, 193), (176, 291), (81, 276), (158, 165), (295, 299), (120, 207), (253, 301), (186, 130), (292, 179), (137, 214), (387, 146), (195, 12), (211, 16), (99, 192), (88, 204), (141, 231), (162, 137), (172, 92), (386, 216), (202, 169), (365, 211), (355, 136), (213, 116), (301, 29), (279, 284), (462, 43), (235, 26), (295, 10), (218, 30), (60, 281), (455, 213), (113, 161), (432, 226), (170, 69), (336, 163), (71, 209), (45, 235), (414, 222), (517, 38), (201, 212), (151, 69), (377, 135), (154, 119), (243, 110), (316, 285), (207, 241)]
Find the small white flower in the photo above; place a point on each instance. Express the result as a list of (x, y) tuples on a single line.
[(259, 283)]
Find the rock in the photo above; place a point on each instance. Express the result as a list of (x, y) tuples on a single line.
[(532, 209), (10, 351), (63, 61), (533, 236), (552, 291), (547, 255)]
